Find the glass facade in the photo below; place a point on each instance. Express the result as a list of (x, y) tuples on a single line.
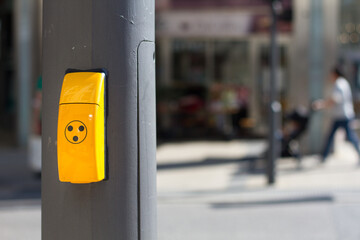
[(189, 62), (206, 61), (230, 62), (212, 66), (211, 85), (349, 27), (349, 44)]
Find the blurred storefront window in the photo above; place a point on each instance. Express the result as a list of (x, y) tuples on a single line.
[(229, 62), (209, 62), (349, 44), (189, 61)]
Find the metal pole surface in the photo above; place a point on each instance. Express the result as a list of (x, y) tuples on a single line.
[(118, 36), (274, 106)]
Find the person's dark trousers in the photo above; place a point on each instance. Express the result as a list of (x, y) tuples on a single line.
[(350, 135)]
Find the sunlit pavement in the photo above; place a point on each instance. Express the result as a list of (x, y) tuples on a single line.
[(214, 197), (20, 216), (217, 190), (20, 219)]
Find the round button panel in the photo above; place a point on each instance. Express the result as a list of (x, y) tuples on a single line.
[(75, 132)]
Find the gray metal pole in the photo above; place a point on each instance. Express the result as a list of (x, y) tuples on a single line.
[(274, 106), (118, 36)]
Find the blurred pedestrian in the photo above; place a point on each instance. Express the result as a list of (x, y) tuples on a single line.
[(342, 107)]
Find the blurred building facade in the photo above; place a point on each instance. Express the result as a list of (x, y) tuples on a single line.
[(314, 53), (212, 63), (349, 43)]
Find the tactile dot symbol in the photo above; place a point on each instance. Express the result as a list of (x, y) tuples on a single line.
[(75, 132)]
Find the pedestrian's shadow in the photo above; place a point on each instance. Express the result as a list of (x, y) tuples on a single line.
[(206, 162), (258, 166), (20, 189), (274, 201)]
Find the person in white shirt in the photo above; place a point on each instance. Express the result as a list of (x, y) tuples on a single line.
[(341, 103)]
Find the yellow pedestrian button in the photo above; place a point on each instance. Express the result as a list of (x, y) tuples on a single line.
[(81, 127), (75, 132)]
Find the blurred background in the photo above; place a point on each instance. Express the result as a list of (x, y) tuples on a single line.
[(213, 88)]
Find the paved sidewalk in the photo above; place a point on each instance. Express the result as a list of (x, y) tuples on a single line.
[(20, 216), (217, 190), (220, 194)]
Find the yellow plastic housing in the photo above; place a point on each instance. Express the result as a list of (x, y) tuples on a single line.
[(81, 128)]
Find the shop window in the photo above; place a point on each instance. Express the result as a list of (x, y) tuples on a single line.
[(231, 62), (189, 61)]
